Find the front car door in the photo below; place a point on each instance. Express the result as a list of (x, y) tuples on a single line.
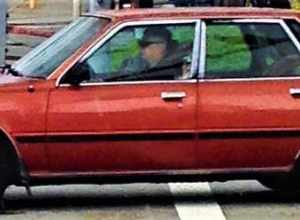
[(122, 121), (248, 102)]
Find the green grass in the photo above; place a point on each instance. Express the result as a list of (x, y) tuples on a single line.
[(226, 49), (127, 51)]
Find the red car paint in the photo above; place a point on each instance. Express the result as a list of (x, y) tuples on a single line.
[(218, 128)]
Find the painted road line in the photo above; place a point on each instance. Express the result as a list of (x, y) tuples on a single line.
[(195, 210)]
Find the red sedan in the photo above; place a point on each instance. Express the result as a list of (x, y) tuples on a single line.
[(156, 95)]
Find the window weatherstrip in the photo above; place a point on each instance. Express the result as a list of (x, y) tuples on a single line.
[(90, 84), (196, 50), (115, 30)]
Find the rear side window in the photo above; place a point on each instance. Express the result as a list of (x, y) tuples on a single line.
[(244, 50), (222, 56)]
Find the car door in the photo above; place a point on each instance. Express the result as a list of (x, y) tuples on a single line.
[(110, 123), (248, 98)]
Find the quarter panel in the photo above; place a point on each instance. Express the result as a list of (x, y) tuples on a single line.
[(248, 123)]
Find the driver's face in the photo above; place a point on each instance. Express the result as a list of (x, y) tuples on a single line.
[(154, 52)]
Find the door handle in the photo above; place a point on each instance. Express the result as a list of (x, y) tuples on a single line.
[(173, 95), (295, 91)]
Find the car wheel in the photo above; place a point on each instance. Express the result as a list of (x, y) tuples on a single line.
[(3, 187), (285, 183)]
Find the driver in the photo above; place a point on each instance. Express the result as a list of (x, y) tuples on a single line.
[(156, 46)]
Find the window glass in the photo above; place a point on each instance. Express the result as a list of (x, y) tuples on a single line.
[(45, 58), (241, 50), (153, 52), (221, 54)]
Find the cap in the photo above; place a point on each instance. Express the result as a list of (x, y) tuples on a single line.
[(154, 35)]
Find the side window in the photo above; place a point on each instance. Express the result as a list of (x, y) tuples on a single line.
[(153, 52), (241, 50), (225, 46)]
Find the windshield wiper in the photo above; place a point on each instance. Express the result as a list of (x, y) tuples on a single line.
[(11, 71)]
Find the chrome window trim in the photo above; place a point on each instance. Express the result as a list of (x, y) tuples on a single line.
[(196, 50), (115, 30), (190, 81), (202, 56), (279, 21)]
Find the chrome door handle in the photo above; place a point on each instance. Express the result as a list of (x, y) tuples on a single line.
[(173, 95), (295, 91)]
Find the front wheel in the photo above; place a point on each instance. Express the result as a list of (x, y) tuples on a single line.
[(2, 191)]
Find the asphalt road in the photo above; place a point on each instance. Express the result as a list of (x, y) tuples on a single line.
[(236, 200)]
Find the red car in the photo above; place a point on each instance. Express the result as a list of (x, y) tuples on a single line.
[(157, 95)]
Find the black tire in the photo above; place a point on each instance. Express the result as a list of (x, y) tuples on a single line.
[(3, 187), (285, 183), (9, 168)]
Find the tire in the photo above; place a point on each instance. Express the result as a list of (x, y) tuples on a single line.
[(9, 168), (3, 187), (285, 183)]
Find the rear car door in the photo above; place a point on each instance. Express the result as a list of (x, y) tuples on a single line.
[(114, 123), (248, 96)]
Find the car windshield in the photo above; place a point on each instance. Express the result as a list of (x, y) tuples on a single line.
[(45, 58)]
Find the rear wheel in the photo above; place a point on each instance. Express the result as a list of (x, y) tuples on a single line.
[(285, 183)]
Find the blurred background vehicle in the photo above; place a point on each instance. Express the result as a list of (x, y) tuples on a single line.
[(255, 3)]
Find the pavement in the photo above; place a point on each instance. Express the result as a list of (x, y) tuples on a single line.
[(233, 200), (47, 12), (29, 27)]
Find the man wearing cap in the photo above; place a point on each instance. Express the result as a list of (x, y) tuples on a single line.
[(156, 46)]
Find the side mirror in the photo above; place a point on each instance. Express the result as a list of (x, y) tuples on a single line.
[(77, 74)]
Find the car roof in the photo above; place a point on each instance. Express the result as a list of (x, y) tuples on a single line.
[(197, 12)]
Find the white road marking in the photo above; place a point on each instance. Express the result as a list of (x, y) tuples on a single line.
[(195, 210)]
